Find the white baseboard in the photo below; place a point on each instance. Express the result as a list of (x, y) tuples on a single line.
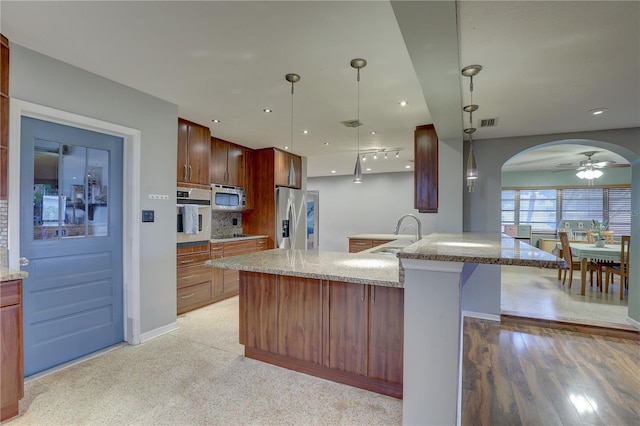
[(150, 335), (481, 315), (633, 322)]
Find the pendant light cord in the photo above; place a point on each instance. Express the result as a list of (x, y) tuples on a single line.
[(358, 112), (291, 148)]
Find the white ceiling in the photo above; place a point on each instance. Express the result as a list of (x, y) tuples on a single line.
[(546, 64)]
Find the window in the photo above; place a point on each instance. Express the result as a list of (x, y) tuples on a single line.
[(543, 209)]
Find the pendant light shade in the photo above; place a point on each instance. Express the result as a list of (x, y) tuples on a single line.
[(472, 168), (358, 63), (357, 172), (291, 176)]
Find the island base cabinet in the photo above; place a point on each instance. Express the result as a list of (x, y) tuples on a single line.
[(345, 332)]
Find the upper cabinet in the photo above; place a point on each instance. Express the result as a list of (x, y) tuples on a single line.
[(282, 167), (227, 163), (426, 169), (194, 145)]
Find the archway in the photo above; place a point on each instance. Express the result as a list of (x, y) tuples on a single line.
[(566, 305)]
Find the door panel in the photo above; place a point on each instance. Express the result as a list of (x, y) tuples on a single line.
[(71, 232)]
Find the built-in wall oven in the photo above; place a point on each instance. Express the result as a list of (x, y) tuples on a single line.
[(193, 215)]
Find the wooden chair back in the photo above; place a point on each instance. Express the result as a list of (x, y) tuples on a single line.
[(608, 236), (625, 244), (566, 248), (590, 236)]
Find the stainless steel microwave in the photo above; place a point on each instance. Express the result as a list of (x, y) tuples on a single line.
[(228, 198)]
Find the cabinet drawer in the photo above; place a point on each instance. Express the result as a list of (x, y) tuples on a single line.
[(192, 259), (359, 245), (193, 294), (193, 275), (10, 293), (239, 247), (262, 244)]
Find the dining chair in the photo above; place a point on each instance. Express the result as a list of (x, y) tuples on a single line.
[(621, 269), (608, 236), (573, 264), (590, 239)]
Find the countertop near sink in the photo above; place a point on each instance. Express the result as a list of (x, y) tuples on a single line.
[(375, 269), (229, 239), (478, 247)]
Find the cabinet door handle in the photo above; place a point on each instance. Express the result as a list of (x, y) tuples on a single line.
[(373, 294), (190, 173), (362, 292), (187, 296), (185, 171), (186, 261), (189, 277)]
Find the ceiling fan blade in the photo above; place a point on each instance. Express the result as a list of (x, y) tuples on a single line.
[(616, 165), (603, 163)]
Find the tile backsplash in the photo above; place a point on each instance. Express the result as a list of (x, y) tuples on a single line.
[(225, 224)]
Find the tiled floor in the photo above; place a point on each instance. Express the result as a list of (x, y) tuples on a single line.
[(537, 293)]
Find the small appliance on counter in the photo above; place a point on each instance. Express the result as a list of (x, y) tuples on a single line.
[(228, 198)]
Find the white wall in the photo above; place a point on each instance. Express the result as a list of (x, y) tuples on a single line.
[(45, 81), (374, 206)]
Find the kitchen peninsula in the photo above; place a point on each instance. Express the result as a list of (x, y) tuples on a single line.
[(371, 320)]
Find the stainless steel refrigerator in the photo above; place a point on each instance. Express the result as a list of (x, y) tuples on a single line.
[(291, 219)]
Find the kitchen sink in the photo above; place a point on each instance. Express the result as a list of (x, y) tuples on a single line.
[(387, 250)]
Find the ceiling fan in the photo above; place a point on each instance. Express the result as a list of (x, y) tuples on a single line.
[(589, 164)]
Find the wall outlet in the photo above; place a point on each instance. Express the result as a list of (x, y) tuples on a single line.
[(158, 197)]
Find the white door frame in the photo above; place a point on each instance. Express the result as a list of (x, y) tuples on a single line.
[(130, 198)]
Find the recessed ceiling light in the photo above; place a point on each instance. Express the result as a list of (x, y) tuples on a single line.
[(368, 169), (286, 147), (215, 120), (408, 166), (306, 132), (327, 143), (597, 111), (373, 132), (333, 171), (403, 103), (267, 110)]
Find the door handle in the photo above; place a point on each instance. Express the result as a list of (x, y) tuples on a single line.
[(24, 261), (190, 173), (185, 171), (373, 294)]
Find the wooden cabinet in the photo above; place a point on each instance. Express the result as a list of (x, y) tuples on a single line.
[(217, 274), (360, 244), (194, 147), (299, 324), (426, 169), (227, 163), (232, 277), (282, 165), (249, 177), (346, 332), (4, 115), (193, 278), (11, 348), (260, 220)]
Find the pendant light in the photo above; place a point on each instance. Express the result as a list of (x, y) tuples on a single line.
[(358, 63), (472, 168), (291, 178)]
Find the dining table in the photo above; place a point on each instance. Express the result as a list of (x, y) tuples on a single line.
[(588, 251)]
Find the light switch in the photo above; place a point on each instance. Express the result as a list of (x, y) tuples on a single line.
[(148, 215)]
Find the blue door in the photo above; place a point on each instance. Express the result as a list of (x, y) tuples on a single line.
[(71, 234)]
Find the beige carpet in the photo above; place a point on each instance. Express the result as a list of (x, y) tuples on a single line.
[(196, 376)]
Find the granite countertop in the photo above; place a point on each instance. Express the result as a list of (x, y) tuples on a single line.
[(7, 274), (389, 237), (477, 247), (376, 269), (242, 238)]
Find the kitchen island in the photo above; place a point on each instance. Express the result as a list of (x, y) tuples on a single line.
[(299, 308)]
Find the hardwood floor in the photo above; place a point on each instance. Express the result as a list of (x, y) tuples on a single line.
[(522, 374)]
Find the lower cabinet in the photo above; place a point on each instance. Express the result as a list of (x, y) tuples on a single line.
[(360, 244), (345, 332), (193, 279), (199, 285), (11, 349)]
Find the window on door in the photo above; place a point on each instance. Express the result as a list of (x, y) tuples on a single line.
[(70, 191)]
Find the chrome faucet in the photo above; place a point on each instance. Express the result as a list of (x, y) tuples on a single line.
[(418, 229)]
